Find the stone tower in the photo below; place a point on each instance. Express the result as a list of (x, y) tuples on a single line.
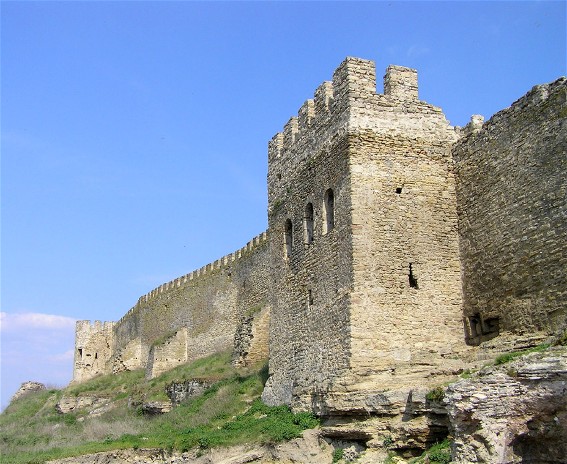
[(364, 245), (93, 349)]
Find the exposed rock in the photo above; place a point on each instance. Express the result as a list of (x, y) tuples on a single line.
[(310, 449), (516, 412), (156, 407), (404, 420), (181, 391), (96, 405), (27, 387)]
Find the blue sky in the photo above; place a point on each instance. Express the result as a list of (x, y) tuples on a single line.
[(134, 134)]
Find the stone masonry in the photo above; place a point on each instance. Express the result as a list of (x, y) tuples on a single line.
[(188, 318), (398, 249), (512, 191), (373, 299)]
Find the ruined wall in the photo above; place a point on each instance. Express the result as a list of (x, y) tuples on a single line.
[(511, 187), (208, 305), (251, 341), (93, 349), (167, 353)]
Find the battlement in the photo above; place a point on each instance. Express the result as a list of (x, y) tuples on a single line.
[(88, 327), (400, 83), (351, 100), (220, 263), (93, 342)]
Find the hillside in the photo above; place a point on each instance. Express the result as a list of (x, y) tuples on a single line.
[(209, 412), (123, 411)]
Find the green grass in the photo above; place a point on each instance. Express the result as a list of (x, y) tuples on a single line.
[(439, 453), (507, 357), (338, 454), (228, 413)]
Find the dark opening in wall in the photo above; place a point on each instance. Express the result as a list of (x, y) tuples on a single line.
[(399, 190), (479, 329), (412, 278), (96, 355), (80, 353), (309, 298), (328, 211), (308, 224), (288, 238)]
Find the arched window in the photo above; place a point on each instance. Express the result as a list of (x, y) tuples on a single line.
[(308, 224), (328, 211), (288, 240)]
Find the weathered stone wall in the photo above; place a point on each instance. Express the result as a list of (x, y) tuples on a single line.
[(207, 305), (375, 302), (405, 322), (251, 341), (93, 349), (512, 190), (311, 260), (168, 353)]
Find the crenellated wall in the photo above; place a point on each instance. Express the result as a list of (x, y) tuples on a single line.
[(347, 320), (394, 243), (209, 305)]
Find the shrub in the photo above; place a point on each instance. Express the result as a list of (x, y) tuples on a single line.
[(338, 454), (439, 453), (436, 394)]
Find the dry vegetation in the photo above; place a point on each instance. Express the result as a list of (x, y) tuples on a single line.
[(228, 413)]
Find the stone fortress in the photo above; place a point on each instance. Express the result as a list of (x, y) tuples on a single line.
[(400, 250)]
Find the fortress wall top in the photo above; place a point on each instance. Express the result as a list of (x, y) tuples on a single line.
[(87, 328), (350, 103), (209, 306), (511, 192), (93, 342), (179, 281), (353, 86)]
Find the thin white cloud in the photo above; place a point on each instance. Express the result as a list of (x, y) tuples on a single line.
[(66, 356), (19, 321), (417, 50), (35, 346)]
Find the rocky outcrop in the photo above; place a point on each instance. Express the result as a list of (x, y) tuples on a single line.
[(512, 413), (153, 408), (404, 421), (181, 391), (93, 404), (28, 387), (310, 449)]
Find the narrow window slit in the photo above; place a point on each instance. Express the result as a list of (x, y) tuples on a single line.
[(308, 223), (412, 278), (309, 298), (288, 238), (328, 211)]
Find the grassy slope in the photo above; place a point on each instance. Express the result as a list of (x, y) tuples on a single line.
[(229, 412)]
